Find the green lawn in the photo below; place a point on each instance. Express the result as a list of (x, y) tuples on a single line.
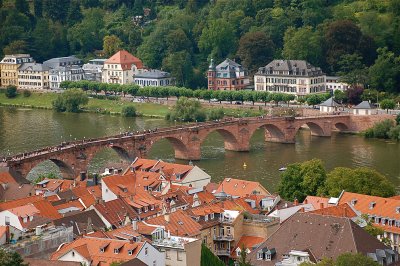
[(44, 100)]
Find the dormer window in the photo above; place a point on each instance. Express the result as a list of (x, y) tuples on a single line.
[(116, 250), (102, 250), (146, 209), (268, 257), (238, 252), (397, 209), (152, 207), (130, 252), (372, 205), (25, 219), (259, 255), (353, 202), (206, 217), (212, 216)]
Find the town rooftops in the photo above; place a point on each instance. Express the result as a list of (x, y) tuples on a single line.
[(33, 67), (153, 74), (125, 59), (102, 250), (81, 221), (17, 59), (317, 202), (241, 188), (324, 236), (248, 242), (290, 68), (62, 61), (19, 202), (330, 103), (364, 105)]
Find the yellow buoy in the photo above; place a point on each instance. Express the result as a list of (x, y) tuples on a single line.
[(244, 165)]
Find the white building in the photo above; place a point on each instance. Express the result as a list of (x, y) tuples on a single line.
[(295, 258), (329, 106), (63, 61), (153, 77), (93, 69), (334, 83), (364, 108), (33, 76), (19, 217), (120, 68), (290, 76), (64, 73)]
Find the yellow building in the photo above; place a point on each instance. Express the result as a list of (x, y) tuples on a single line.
[(9, 68)]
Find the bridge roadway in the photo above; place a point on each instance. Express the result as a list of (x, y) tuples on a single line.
[(74, 157)]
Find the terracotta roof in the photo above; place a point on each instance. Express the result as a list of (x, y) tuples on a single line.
[(317, 202), (342, 210), (331, 236), (248, 242), (52, 198), (70, 204), (6, 177), (19, 202), (24, 211), (47, 210), (89, 247), (115, 211), (373, 205), (13, 191), (125, 59), (241, 188), (124, 233), (121, 185), (180, 224), (211, 187)]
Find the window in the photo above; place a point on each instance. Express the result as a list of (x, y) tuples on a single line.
[(130, 252), (7, 220), (228, 230), (238, 252), (268, 257), (116, 251), (167, 254), (212, 216), (146, 251), (154, 263), (259, 255), (179, 255)]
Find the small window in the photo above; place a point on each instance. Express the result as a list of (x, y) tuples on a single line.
[(259, 255), (146, 251), (130, 252), (116, 251), (268, 257)]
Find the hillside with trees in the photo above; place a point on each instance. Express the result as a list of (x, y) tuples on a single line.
[(358, 40)]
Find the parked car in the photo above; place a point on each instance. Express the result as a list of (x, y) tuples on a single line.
[(237, 102), (214, 100)]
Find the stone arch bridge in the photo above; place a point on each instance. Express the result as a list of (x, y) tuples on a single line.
[(73, 157)]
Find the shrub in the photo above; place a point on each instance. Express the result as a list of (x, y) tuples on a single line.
[(128, 111), (394, 133), (70, 101), (215, 114), (398, 119), (187, 110), (26, 93), (381, 129), (11, 91)]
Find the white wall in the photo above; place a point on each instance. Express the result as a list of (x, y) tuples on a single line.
[(152, 255), (14, 221), (196, 177), (106, 193), (72, 255)]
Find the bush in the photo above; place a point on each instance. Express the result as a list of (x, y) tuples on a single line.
[(398, 119), (26, 93), (380, 130), (216, 114), (187, 110), (70, 101), (11, 91), (394, 133), (128, 111)]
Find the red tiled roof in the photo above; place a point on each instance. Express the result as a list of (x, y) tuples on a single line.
[(317, 202), (72, 203), (6, 177), (342, 210), (248, 242), (115, 211), (47, 210), (170, 170), (89, 247), (125, 59), (19, 202), (241, 188), (114, 182), (180, 224)]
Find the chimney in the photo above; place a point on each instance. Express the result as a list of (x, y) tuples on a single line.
[(83, 176), (296, 202), (166, 217), (305, 201), (301, 209), (95, 179), (134, 225), (321, 205), (8, 234)]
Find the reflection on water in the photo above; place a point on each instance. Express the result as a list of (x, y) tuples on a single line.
[(23, 130)]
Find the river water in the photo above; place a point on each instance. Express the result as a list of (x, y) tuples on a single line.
[(26, 129)]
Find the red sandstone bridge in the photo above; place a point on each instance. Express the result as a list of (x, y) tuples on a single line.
[(74, 157)]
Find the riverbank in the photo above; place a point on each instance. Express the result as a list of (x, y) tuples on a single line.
[(114, 107)]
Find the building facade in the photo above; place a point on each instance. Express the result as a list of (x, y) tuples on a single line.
[(93, 69), (153, 77), (296, 77), (32, 76), (334, 83), (120, 68), (63, 61), (9, 68), (64, 73), (228, 75)]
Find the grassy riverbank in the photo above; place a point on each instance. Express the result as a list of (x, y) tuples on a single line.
[(44, 101)]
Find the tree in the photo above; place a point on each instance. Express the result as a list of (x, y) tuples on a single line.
[(398, 119), (313, 99), (339, 96), (385, 72), (243, 257), (216, 114), (354, 260), (9, 258), (187, 110), (352, 70), (74, 13), (38, 8), (255, 48), (16, 47), (128, 111), (111, 45), (70, 101), (387, 104), (353, 95), (22, 6), (56, 10), (208, 258), (303, 44), (180, 66), (359, 180), (11, 91)]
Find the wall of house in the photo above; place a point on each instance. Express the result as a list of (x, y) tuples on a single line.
[(259, 229), (196, 177), (106, 193), (14, 221), (193, 253), (153, 255)]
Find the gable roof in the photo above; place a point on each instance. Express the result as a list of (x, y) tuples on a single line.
[(330, 102), (18, 202), (342, 210), (80, 220), (115, 211), (316, 201), (248, 242), (6, 177), (364, 105), (125, 59), (241, 188), (331, 236), (89, 247)]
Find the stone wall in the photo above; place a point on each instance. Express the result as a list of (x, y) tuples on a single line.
[(361, 123)]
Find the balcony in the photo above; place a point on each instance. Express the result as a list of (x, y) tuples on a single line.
[(222, 252), (223, 238)]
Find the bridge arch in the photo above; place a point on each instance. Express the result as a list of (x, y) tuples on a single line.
[(315, 129), (180, 149), (231, 139), (52, 164), (103, 156), (272, 132), (342, 126)]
